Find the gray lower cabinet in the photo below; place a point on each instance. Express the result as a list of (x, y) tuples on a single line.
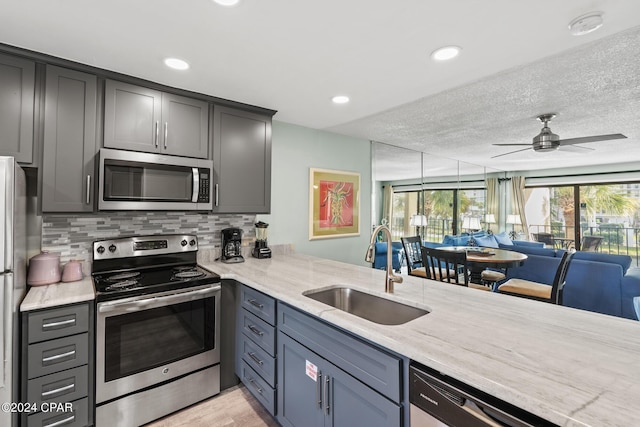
[(256, 346), (17, 92), (57, 365), (242, 161), (327, 377), (142, 119), (69, 145)]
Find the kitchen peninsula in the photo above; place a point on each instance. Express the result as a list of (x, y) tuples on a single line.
[(571, 367)]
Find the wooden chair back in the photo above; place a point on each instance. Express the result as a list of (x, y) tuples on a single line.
[(560, 278), (412, 253), (446, 266)]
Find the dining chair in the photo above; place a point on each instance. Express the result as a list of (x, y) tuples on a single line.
[(540, 291), (413, 255), (448, 266), (546, 238), (591, 243)]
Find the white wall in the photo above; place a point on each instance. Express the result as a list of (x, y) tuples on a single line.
[(296, 149)]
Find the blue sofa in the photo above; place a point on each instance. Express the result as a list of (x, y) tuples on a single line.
[(380, 258), (596, 282)]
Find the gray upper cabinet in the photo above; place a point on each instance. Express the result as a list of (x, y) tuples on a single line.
[(142, 119), (69, 145), (242, 161), (17, 91)]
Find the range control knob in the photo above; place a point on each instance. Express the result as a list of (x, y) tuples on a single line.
[(100, 250), (192, 242), (183, 243), (112, 248)]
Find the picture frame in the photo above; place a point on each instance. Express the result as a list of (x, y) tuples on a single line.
[(334, 204)]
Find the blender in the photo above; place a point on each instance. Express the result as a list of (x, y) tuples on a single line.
[(261, 250)]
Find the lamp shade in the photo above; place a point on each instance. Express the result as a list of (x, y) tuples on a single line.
[(418, 221), (471, 223), (513, 219), (490, 218)]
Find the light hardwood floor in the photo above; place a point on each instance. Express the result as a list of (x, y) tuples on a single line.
[(234, 407)]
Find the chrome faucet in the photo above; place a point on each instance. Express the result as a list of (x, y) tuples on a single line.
[(390, 278)]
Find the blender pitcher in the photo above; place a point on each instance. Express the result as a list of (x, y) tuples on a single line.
[(261, 250)]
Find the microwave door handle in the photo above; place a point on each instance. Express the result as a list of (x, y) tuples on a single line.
[(196, 185)]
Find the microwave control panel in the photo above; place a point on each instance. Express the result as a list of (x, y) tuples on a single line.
[(205, 187)]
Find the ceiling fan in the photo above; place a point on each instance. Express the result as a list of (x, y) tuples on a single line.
[(549, 141)]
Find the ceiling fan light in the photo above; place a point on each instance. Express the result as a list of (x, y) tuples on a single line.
[(445, 53), (586, 24)]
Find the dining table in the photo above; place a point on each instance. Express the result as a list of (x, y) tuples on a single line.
[(481, 258)]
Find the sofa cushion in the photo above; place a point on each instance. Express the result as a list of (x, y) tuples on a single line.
[(536, 268), (623, 261), (487, 241), (503, 239), (594, 286)]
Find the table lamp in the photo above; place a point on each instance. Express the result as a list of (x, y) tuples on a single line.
[(489, 219), (514, 220), (418, 221)]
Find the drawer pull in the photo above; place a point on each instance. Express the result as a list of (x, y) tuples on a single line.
[(255, 330), (58, 324), (254, 384), (59, 390), (255, 358), (255, 303), (59, 356), (61, 422)]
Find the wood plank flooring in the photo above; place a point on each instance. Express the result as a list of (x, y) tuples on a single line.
[(234, 407)]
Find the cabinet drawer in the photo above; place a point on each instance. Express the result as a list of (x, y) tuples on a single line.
[(259, 304), (263, 363), (64, 386), (373, 366), (58, 322), (56, 355), (259, 388), (78, 416), (259, 331)]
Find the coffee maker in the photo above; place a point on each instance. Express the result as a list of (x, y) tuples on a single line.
[(260, 249), (231, 245)]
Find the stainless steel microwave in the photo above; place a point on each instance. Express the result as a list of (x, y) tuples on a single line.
[(130, 180)]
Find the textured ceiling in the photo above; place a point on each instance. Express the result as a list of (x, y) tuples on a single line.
[(518, 61)]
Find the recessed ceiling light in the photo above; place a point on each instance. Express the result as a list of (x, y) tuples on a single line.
[(340, 99), (176, 64), (227, 2), (445, 53), (586, 24)]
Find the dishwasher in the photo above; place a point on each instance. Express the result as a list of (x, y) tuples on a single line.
[(437, 400)]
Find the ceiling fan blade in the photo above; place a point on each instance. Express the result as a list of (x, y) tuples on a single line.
[(575, 148), (505, 145), (595, 138), (511, 152)]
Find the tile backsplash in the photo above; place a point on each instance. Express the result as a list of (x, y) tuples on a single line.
[(72, 235)]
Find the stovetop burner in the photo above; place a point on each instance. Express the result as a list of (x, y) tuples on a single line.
[(123, 276), (125, 284), (187, 275)]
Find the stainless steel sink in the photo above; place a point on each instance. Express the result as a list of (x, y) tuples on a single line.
[(370, 307)]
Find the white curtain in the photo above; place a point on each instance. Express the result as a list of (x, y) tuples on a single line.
[(387, 205), (518, 201), (493, 198)]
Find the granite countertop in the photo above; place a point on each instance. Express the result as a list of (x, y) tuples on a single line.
[(571, 367), (39, 297)]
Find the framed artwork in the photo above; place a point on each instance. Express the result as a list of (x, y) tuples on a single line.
[(334, 204)]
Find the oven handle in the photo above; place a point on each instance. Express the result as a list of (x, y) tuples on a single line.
[(153, 302)]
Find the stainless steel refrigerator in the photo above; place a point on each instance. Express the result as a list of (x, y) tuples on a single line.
[(13, 286)]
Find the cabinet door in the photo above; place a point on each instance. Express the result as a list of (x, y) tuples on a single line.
[(242, 161), (184, 126), (132, 116), (300, 386), (69, 141), (17, 83)]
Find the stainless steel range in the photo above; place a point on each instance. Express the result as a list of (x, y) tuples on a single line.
[(157, 328)]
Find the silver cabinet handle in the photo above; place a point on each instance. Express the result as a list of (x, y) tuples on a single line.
[(61, 422), (166, 134), (255, 358), (88, 189), (326, 394), (157, 133), (319, 391), (58, 356), (254, 384), (255, 330), (69, 322), (255, 303), (217, 194), (58, 390)]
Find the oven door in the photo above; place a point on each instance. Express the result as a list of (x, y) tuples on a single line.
[(146, 340)]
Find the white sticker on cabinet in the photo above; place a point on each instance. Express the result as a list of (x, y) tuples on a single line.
[(311, 370)]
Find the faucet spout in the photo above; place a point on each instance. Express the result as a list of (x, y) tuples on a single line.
[(390, 277)]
